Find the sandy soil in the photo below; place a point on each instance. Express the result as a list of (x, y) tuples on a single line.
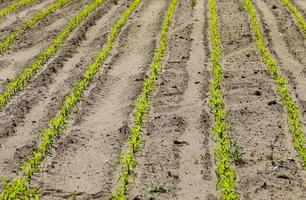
[(178, 150)]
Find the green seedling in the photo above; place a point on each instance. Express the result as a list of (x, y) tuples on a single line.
[(293, 113), (128, 158), (21, 80), (7, 10), (299, 18), (18, 188), (226, 176), (8, 40)]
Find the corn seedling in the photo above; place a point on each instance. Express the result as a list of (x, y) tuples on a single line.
[(16, 188), (19, 82), (299, 18), (225, 174), (128, 158), (293, 113), (14, 6), (8, 40)]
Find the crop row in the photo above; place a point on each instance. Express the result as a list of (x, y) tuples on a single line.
[(293, 113), (8, 40), (20, 81), (128, 158), (226, 177), (19, 188), (7, 10), (297, 14)]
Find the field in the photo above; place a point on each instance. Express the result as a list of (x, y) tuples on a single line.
[(153, 99)]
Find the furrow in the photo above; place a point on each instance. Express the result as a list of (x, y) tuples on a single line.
[(103, 114), (17, 18), (196, 174), (288, 46), (20, 81), (44, 96), (11, 37), (20, 187), (293, 113), (166, 169), (128, 158), (266, 164)]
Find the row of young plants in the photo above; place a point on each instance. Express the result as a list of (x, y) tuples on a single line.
[(301, 21), (128, 156), (21, 80), (7, 10), (8, 40), (19, 188), (293, 114), (226, 176)]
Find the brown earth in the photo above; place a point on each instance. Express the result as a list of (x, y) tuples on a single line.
[(178, 153)]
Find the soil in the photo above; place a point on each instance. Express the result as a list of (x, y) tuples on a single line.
[(178, 152)]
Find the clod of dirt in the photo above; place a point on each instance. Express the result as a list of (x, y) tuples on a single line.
[(283, 177), (257, 93), (180, 142), (273, 102)]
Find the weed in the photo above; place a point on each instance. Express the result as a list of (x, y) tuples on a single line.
[(244, 110), (73, 196), (240, 5), (193, 3), (159, 189), (236, 154)]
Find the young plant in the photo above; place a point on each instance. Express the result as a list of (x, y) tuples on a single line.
[(7, 10), (128, 158), (299, 18), (8, 40), (18, 188), (26, 75), (226, 176), (293, 113)]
